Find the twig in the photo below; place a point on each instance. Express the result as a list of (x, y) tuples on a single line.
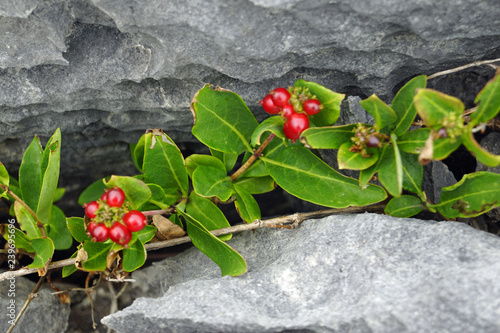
[(32, 295), (458, 69), (278, 221), (252, 158)]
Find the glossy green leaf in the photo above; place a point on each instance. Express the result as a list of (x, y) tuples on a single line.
[(26, 221), (97, 254), (246, 205), (207, 213), (404, 206), (21, 240), (434, 106), (92, 193), (162, 199), (482, 155), (4, 175), (209, 182), (58, 230), (256, 185), (403, 104), (271, 124), (229, 160), (474, 195), (443, 147), (302, 174), (390, 171), (355, 161), (222, 120), (413, 141), (76, 226), (30, 177), (146, 234), (68, 270), (134, 256), (330, 100), (327, 137), (413, 173), (489, 102), (229, 261), (50, 167), (256, 169), (44, 249), (60, 191), (382, 113), (366, 175), (137, 151), (164, 164), (136, 192), (195, 160)]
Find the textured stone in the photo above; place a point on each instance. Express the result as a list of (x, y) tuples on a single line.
[(347, 273), (45, 313)]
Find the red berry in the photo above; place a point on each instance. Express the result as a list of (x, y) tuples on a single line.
[(100, 232), (115, 197), (104, 196), (90, 228), (91, 208), (442, 133), (135, 220), (288, 111), (312, 106), (372, 141), (268, 105), (295, 125), (280, 96), (119, 234)]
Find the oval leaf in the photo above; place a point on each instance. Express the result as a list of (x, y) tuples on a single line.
[(58, 230), (355, 161), (26, 221), (92, 192), (44, 249), (195, 160), (434, 106), (413, 141), (382, 113), (271, 124), (134, 256), (391, 170), (76, 226), (256, 185), (404, 206), (207, 213), (246, 205), (30, 178), (479, 152), (403, 104), (97, 254), (135, 190), (229, 160), (327, 137), (413, 173), (209, 182), (489, 102)]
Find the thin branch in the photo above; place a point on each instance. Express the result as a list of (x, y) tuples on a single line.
[(271, 223), (252, 158), (461, 68)]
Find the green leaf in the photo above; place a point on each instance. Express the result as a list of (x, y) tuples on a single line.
[(489, 102), (355, 161), (404, 206), (256, 185), (59, 193), (413, 141), (327, 137), (44, 249), (302, 174), (50, 177), (229, 160), (366, 175), (30, 178), (164, 164), (137, 152), (68, 270), (246, 205), (443, 147), (382, 113), (195, 160), (391, 170), (58, 231), (413, 173), (26, 221), (76, 226), (258, 167), (92, 193), (136, 192), (134, 256), (207, 213), (434, 106), (162, 199), (146, 234), (330, 100), (97, 256), (4, 175), (479, 152), (222, 120), (209, 182), (271, 124), (20, 239), (474, 195), (229, 261), (403, 104)]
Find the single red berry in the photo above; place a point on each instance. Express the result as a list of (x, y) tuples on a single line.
[(104, 196), (135, 220), (90, 228), (268, 105), (280, 96), (115, 197), (100, 232), (295, 125), (372, 141), (288, 111), (120, 234), (312, 106), (442, 133), (91, 208)]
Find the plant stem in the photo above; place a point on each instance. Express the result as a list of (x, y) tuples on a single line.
[(278, 222), (458, 69), (252, 158)]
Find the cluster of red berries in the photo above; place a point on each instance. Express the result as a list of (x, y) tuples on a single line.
[(111, 219), (293, 104)]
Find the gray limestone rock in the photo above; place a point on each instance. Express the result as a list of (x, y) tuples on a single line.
[(346, 273)]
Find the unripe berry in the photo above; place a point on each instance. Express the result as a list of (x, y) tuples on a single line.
[(372, 141), (442, 133)]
